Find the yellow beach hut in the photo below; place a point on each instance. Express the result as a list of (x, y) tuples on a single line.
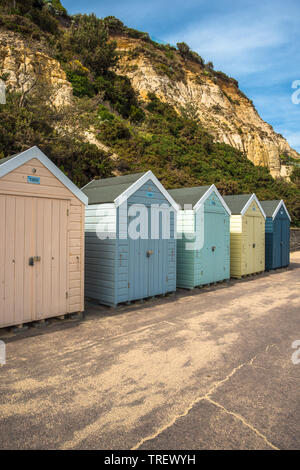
[(247, 235)]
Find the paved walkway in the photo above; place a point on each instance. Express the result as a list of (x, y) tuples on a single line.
[(204, 369)]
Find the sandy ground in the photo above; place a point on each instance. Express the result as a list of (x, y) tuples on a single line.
[(206, 369)]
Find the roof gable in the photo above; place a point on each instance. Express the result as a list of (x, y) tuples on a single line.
[(196, 196), (119, 188), (9, 164), (240, 203), (272, 208)]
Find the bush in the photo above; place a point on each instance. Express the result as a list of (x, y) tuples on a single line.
[(118, 91), (81, 84), (186, 53), (88, 38), (136, 114), (114, 26), (104, 114), (113, 131)]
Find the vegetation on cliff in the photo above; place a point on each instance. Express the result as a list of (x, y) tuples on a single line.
[(145, 135)]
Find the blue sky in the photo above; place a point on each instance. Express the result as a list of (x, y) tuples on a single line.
[(257, 42)]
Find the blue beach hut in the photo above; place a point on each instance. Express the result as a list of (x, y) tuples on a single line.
[(277, 234), (130, 239)]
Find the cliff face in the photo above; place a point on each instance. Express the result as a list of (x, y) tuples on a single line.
[(25, 64), (214, 100), (211, 98)]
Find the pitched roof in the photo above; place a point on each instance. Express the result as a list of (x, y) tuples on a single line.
[(196, 196), (108, 189), (188, 196), (9, 164), (237, 203), (119, 188), (271, 208)]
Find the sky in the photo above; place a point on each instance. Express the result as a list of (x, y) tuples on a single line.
[(257, 42)]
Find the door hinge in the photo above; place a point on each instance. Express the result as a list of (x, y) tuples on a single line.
[(68, 212), (128, 285), (67, 295)]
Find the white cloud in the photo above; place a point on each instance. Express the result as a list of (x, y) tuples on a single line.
[(241, 42)]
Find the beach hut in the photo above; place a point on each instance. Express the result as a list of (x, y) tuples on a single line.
[(277, 234), (247, 235), (130, 239), (203, 236), (41, 240)]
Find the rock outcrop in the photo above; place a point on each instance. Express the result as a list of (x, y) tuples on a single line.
[(23, 65), (211, 98), (215, 100)]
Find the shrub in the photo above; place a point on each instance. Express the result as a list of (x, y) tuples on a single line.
[(88, 38), (104, 114), (136, 114), (81, 84)]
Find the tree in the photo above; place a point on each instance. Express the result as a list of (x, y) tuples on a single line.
[(183, 49), (88, 38)]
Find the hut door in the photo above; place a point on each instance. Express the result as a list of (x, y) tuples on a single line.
[(138, 262), (33, 258), (285, 242), (258, 250), (250, 245), (278, 242), (157, 249), (50, 272)]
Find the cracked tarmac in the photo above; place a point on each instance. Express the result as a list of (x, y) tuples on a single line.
[(207, 369)]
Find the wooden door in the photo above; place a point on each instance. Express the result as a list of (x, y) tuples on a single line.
[(138, 262), (285, 242), (249, 245), (33, 258)]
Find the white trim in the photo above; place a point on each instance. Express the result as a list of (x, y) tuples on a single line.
[(138, 183), (281, 204), (87, 184), (207, 194), (251, 199), (35, 152)]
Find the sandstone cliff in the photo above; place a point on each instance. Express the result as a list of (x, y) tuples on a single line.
[(213, 99), (24, 64)]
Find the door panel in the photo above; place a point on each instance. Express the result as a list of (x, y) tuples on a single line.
[(258, 252), (285, 239), (210, 241), (51, 247), (9, 263), (19, 259), (138, 265), (249, 250), (277, 256), (147, 274), (33, 227)]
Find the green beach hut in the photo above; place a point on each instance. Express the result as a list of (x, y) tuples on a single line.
[(203, 236)]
